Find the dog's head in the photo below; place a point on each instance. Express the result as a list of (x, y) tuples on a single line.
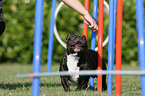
[(76, 44)]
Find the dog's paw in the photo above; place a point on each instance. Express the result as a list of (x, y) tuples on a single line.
[(78, 89), (90, 88), (104, 88), (67, 90)]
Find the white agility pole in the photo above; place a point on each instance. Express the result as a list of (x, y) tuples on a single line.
[(85, 73)]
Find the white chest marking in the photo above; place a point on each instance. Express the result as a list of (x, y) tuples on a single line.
[(72, 61)]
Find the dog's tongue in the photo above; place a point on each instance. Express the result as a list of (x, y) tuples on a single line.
[(75, 54), (76, 50)]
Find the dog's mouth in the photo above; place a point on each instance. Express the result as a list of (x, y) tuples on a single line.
[(76, 49)]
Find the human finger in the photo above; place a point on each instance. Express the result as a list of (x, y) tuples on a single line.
[(86, 22)]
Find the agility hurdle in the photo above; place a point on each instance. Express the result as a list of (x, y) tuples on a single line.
[(38, 40)]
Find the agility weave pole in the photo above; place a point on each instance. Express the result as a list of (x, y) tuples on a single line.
[(93, 38), (100, 44), (111, 42), (141, 39), (85, 27), (118, 46), (37, 46), (51, 33)]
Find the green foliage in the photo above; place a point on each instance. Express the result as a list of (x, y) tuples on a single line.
[(16, 44)]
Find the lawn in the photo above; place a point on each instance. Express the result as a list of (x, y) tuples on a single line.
[(50, 86)]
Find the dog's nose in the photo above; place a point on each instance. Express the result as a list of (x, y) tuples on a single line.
[(78, 45)]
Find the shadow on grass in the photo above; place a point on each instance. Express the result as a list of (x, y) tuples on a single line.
[(12, 86)]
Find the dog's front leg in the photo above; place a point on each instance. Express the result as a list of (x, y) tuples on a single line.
[(104, 85), (65, 83), (83, 83)]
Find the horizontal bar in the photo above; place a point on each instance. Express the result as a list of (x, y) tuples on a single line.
[(84, 72)]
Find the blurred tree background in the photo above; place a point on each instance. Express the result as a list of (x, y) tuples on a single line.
[(16, 44)]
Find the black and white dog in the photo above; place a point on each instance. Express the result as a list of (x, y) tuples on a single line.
[(79, 57)]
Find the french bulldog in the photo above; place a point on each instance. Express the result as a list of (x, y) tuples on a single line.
[(78, 57)]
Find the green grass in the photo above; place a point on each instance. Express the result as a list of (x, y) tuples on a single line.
[(50, 86)]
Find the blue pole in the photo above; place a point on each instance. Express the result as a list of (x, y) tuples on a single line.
[(141, 39), (114, 34), (37, 46), (50, 45), (93, 39), (111, 43)]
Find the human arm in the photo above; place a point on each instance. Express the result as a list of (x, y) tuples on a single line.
[(77, 6)]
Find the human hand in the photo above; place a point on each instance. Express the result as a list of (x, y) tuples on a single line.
[(91, 23)]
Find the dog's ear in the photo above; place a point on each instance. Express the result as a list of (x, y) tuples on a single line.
[(84, 37), (67, 38), (85, 41)]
